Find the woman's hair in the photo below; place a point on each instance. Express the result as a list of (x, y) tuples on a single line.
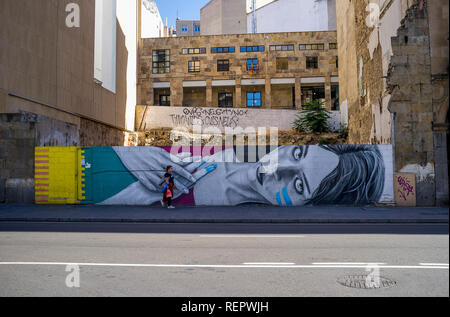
[(168, 168), (358, 178)]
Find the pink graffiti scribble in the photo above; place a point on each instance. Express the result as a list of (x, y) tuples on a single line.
[(406, 187)]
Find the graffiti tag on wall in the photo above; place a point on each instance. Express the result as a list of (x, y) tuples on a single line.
[(227, 118), (405, 189)]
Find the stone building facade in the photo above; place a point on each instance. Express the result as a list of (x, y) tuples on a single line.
[(270, 71), (394, 82)]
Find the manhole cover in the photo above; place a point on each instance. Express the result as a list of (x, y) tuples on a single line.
[(366, 282)]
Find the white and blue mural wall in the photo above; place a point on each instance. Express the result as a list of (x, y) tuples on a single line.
[(231, 176)]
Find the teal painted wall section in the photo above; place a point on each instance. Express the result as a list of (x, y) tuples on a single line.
[(105, 175)]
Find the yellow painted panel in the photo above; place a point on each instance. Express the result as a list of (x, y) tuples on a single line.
[(56, 172)]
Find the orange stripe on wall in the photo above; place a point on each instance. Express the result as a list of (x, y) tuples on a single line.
[(41, 156), (41, 173), (41, 190), (42, 167), (42, 162), (42, 150)]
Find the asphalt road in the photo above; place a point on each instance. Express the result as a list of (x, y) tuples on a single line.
[(232, 260)]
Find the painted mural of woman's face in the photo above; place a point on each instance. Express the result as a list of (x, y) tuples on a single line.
[(298, 173)]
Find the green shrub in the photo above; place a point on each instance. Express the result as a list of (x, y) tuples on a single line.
[(313, 118), (343, 134)]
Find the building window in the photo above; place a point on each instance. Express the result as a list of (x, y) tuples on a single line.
[(230, 49), (310, 93), (336, 60), (333, 46), (254, 99), (194, 67), (190, 51), (282, 63), (312, 62), (164, 100), (252, 64), (223, 65), (196, 28), (245, 49), (225, 99), (161, 61), (184, 28), (310, 47), (335, 98), (282, 47)]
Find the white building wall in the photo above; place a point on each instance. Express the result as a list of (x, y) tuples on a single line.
[(127, 11), (152, 23), (291, 16), (105, 44)]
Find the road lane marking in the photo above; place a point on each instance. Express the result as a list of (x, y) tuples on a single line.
[(445, 267), (268, 263), (434, 264), (347, 263), (250, 236)]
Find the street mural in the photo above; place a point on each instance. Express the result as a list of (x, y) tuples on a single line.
[(230, 176)]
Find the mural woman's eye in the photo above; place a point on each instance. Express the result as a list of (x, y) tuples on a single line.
[(299, 186), (297, 153)]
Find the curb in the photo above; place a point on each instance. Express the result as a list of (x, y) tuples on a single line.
[(256, 221)]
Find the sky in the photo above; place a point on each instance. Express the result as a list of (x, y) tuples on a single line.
[(187, 9)]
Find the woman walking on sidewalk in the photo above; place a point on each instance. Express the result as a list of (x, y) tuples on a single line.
[(169, 185)]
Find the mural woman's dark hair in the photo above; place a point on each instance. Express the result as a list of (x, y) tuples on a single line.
[(358, 178)]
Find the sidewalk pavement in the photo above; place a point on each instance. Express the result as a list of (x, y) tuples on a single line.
[(240, 214)]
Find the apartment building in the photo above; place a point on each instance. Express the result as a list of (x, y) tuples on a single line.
[(224, 17), (267, 16), (267, 71), (188, 28)]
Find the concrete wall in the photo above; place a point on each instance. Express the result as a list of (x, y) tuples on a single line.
[(190, 25), (410, 82), (294, 16), (19, 134), (175, 117), (43, 60), (224, 17), (364, 56)]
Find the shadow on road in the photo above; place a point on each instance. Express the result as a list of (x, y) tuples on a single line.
[(215, 228)]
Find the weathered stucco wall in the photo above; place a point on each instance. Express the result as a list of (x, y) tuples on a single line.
[(47, 68), (221, 118), (394, 91), (19, 134), (409, 81)]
